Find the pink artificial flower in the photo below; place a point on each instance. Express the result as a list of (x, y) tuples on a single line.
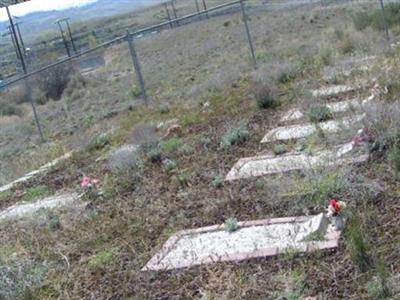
[(88, 182), (363, 136)]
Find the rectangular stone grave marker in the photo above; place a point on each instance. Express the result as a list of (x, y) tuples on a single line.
[(342, 106), (252, 239), (43, 169), (24, 209), (269, 164), (333, 90), (285, 133)]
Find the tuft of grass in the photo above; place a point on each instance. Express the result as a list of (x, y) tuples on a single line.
[(36, 192), (235, 136), (394, 158), (319, 113), (356, 245), (101, 259), (183, 179), (231, 225), (260, 184), (154, 155), (218, 182), (172, 145), (9, 109), (169, 165), (320, 187), (99, 141), (280, 149), (265, 96)]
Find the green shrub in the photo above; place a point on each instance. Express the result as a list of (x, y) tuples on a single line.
[(260, 183), (319, 113), (321, 187), (135, 92), (154, 155), (9, 109), (169, 165), (183, 179), (235, 136), (356, 245), (377, 289), (99, 141), (172, 145), (218, 182), (231, 225), (52, 82), (101, 259), (36, 192), (280, 149), (266, 97)]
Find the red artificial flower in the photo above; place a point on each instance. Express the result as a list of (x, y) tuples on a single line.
[(335, 205)]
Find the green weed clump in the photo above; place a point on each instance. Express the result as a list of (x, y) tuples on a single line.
[(9, 109), (169, 165), (231, 225), (99, 141), (101, 259), (280, 149), (266, 98), (356, 245), (319, 113), (218, 182), (235, 136), (36, 192), (172, 145)]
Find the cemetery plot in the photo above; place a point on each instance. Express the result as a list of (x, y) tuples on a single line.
[(252, 239), (268, 164), (342, 106), (304, 130), (26, 209)]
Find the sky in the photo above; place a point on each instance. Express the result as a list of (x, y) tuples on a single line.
[(41, 5)]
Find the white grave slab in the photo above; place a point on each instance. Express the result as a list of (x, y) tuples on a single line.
[(252, 239), (24, 209), (342, 106), (333, 90), (268, 164), (301, 131), (43, 169)]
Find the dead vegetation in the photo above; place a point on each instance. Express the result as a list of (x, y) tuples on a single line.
[(173, 183)]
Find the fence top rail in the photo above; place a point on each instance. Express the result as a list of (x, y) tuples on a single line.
[(117, 40)]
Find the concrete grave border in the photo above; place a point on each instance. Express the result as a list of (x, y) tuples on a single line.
[(331, 241), (30, 175), (292, 132), (326, 158), (336, 107), (23, 209)]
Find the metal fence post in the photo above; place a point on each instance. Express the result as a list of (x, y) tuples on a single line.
[(70, 36), (174, 11), (246, 25), (168, 14), (205, 8), (64, 39), (385, 24), (136, 65), (35, 115), (197, 5)]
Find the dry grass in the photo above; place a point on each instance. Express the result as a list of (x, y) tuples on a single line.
[(98, 252)]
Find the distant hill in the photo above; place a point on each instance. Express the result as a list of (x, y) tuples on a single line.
[(43, 21)]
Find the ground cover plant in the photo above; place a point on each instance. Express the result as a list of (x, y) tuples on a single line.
[(175, 179)]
